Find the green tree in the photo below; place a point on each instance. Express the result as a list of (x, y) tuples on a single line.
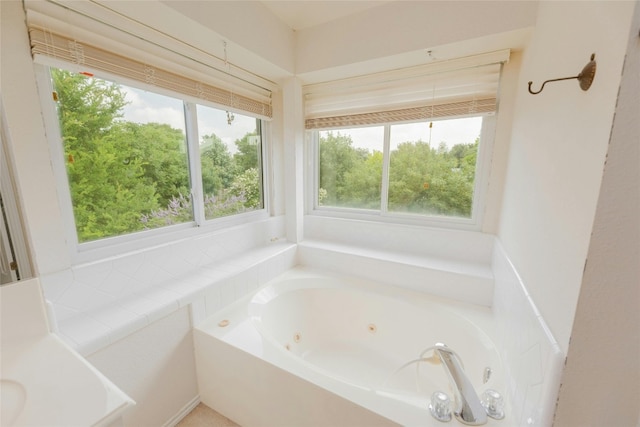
[(247, 185), (161, 151), (218, 165), (248, 153), (118, 171), (107, 197), (87, 108), (432, 181), (364, 181), (337, 158)]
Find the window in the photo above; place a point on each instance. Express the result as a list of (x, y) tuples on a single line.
[(425, 169), (411, 145), (432, 167), (230, 161), (131, 158), (350, 167)]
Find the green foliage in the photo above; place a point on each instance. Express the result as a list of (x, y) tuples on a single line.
[(126, 177), (248, 153), (363, 182), (106, 177), (422, 179), (107, 197), (231, 183), (218, 165), (161, 152), (338, 158), (247, 186), (87, 108), (432, 181)]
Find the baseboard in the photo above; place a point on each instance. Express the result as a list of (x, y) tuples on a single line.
[(186, 409)]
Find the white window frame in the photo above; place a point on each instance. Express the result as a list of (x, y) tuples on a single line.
[(481, 183), (111, 246)]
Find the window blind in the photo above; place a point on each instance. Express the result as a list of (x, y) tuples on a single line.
[(450, 109), (59, 47), (452, 88)]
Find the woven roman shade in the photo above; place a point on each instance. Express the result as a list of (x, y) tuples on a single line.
[(452, 109), (90, 39), (455, 88), (62, 48)]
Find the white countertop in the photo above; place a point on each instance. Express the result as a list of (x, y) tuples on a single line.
[(42, 380)]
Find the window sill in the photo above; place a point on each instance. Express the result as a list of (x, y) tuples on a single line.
[(441, 222)]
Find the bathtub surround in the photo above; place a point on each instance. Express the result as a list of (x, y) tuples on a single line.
[(131, 316), (100, 303), (448, 263), (531, 354), (313, 348), (295, 401), (533, 358), (465, 266)]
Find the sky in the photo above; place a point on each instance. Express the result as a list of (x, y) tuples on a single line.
[(451, 132), (146, 107)]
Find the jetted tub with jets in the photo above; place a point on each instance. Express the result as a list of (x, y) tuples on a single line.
[(312, 348)]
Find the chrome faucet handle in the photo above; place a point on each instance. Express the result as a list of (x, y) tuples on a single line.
[(467, 406), (493, 404)]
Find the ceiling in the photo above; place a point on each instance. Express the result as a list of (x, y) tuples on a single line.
[(301, 14)]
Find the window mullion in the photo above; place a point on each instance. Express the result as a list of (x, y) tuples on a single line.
[(384, 188), (315, 170), (195, 173), (263, 159)]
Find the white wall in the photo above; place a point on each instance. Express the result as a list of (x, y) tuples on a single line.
[(558, 147), (262, 40), (400, 27), (599, 390), (502, 141)]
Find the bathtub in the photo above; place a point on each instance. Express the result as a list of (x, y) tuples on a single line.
[(312, 348)]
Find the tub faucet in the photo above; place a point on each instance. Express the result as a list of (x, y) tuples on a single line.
[(467, 407)]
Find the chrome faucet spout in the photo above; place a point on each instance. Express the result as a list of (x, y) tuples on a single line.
[(467, 406)]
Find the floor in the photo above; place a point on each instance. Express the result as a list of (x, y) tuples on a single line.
[(203, 416)]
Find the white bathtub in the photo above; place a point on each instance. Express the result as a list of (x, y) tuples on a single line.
[(310, 348)]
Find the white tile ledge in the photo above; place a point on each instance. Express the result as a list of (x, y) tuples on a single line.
[(476, 269), (458, 279), (96, 328)]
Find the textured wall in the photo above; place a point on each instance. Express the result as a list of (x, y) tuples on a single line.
[(599, 390), (558, 147)]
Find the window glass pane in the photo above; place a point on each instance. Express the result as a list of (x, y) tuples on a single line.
[(351, 167), (230, 156), (432, 170), (126, 157)]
